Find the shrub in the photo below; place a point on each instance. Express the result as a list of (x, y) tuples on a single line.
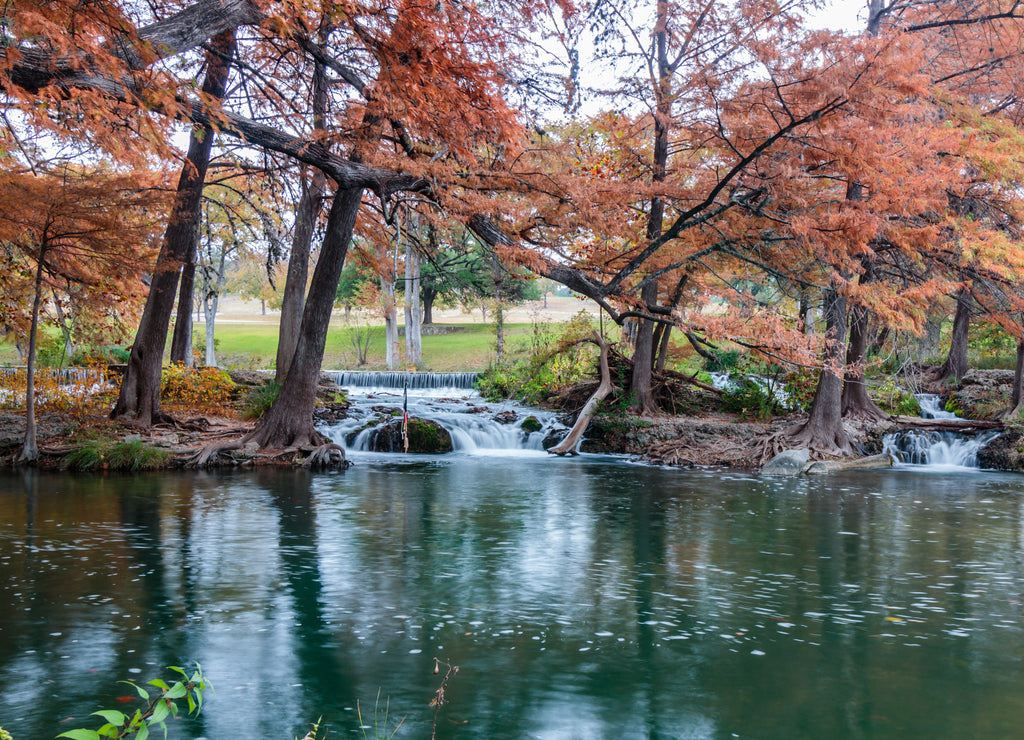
[(204, 388), (105, 454), (259, 400)]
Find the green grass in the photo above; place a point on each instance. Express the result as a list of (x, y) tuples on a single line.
[(246, 345)]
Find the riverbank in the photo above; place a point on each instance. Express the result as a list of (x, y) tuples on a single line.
[(707, 438)]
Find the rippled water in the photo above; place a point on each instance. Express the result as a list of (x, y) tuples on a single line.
[(581, 598)]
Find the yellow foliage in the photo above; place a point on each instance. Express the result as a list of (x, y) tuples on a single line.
[(206, 389)]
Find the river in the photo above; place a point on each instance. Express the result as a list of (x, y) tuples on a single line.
[(581, 598)]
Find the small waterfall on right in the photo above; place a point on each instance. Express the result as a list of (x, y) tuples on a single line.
[(932, 408), (942, 450)]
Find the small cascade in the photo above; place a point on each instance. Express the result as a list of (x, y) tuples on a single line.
[(931, 407), (448, 399), (772, 388), (941, 450), (370, 381)]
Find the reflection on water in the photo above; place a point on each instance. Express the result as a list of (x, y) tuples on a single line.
[(582, 598)]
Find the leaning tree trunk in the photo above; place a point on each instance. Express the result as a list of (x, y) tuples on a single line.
[(30, 447), (289, 422), (139, 396), (572, 439), (955, 365), (823, 431)]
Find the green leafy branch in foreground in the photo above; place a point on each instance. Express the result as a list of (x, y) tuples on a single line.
[(159, 707)]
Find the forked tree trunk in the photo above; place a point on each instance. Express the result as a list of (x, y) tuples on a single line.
[(572, 439), (139, 395), (289, 422), (955, 365), (823, 431), (306, 213)]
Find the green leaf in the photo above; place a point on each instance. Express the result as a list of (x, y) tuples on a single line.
[(143, 694), (143, 733), (176, 691), (160, 713), (112, 716), (159, 683), (81, 735)]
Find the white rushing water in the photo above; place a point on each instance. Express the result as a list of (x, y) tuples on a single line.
[(932, 408), (938, 450), (475, 425)]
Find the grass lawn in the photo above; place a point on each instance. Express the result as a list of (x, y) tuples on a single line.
[(472, 348), (254, 345)]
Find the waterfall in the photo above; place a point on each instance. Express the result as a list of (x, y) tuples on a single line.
[(448, 399), (941, 450), (931, 407), (371, 381)]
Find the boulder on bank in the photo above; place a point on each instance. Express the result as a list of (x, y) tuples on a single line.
[(425, 436), (788, 462)]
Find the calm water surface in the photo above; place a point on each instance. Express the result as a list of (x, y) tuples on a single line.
[(581, 598)]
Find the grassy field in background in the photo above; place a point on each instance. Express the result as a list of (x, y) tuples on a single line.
[(254, 345)]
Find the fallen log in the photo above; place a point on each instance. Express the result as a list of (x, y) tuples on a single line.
[(946, 425)]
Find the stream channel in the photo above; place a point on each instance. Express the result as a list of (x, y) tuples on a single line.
[(585, 597)]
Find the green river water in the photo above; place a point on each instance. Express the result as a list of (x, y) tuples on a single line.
[(581, 598)]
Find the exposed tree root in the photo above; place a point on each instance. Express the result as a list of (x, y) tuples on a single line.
[(839, 444), (208, 454), (326, 457)]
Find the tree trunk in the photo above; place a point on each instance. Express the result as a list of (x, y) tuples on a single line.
[(499, 332), (823, 431), (289, 421), (210, 314), (569, 444), (387, 291), (30, 449), (955, 365), (181, 340), (139, 395), (428, 296), (666, 334), (1018, 382), (643, 365), (857, 404), (413, 340)]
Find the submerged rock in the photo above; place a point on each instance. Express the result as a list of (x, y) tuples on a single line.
[(425, 436), (790, 462)]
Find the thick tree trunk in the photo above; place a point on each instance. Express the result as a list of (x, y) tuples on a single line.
[(857, 404), (572, 439), (823, 431), (643, 365), (306, 214), (428, 295), (955, 365), (666, 334), (413, 340), (289, 422), (139, 396), (499, 332), (30, 448)]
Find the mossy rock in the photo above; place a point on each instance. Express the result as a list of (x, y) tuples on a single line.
[(531, 424), (425, 437)]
